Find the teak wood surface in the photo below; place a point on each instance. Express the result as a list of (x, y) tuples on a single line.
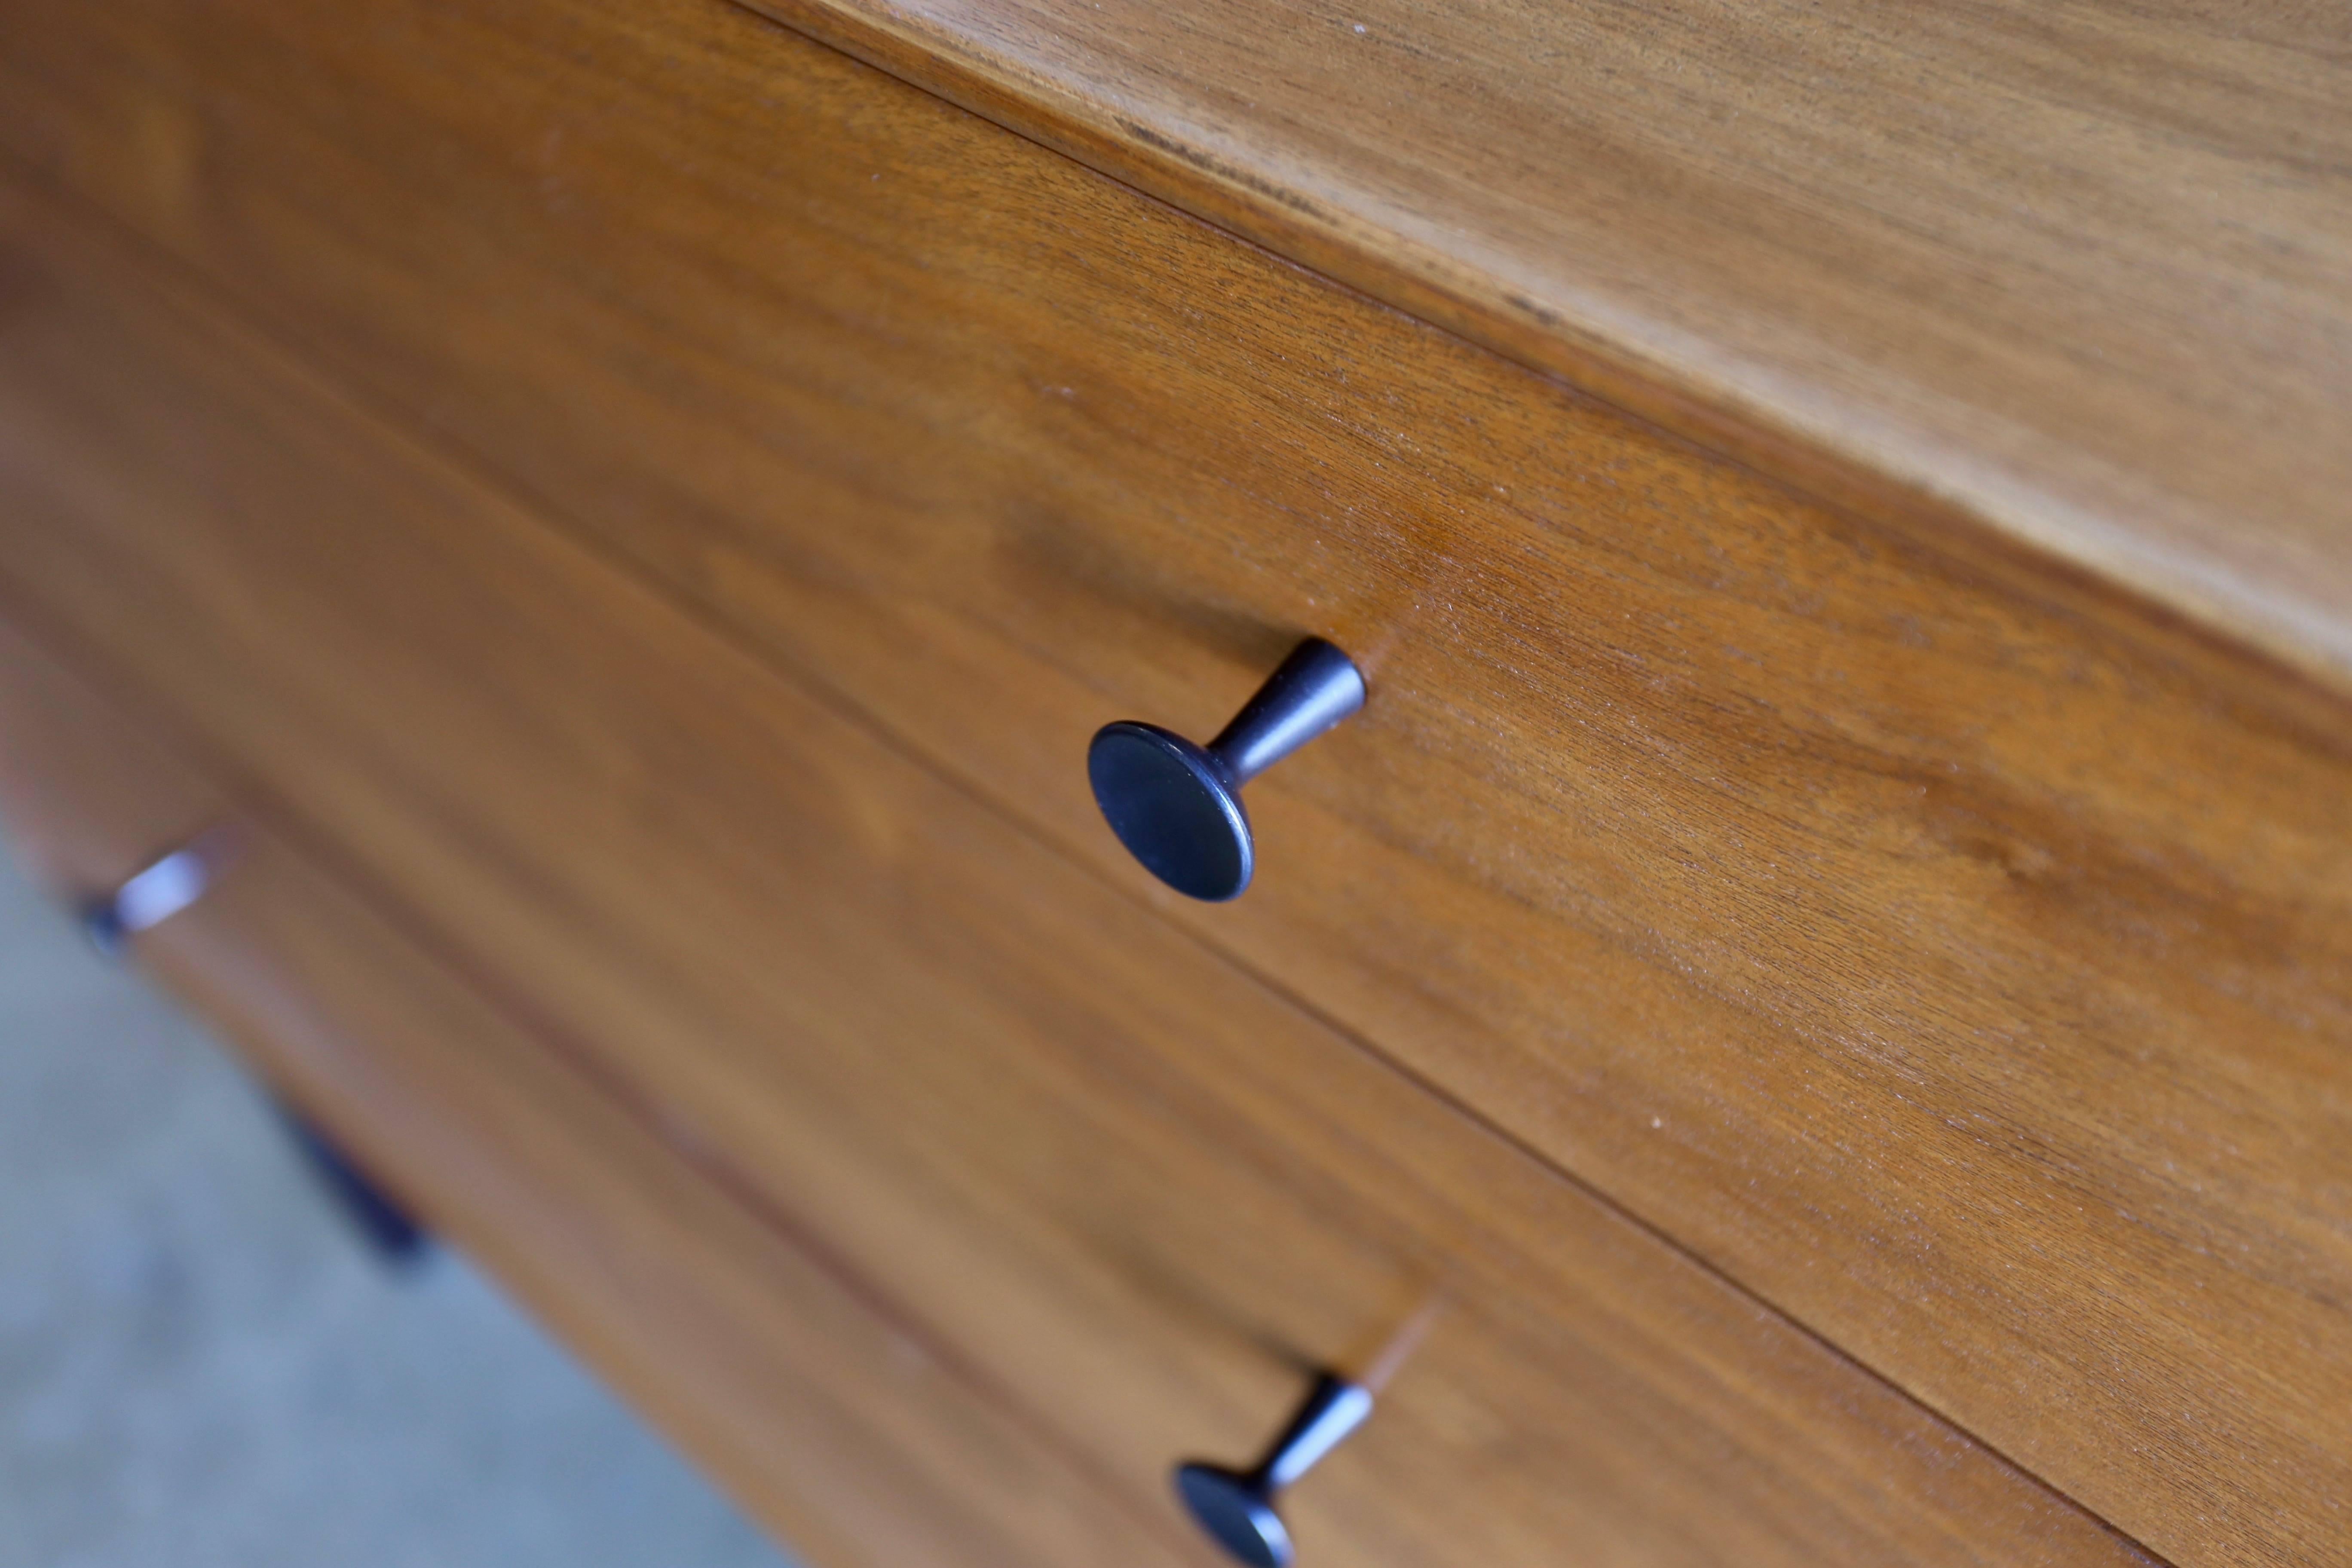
[(1962, 970), (1142, 1192), (831, 1422), (2075, 276)]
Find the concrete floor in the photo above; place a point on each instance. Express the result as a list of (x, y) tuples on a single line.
[(200, 1364)]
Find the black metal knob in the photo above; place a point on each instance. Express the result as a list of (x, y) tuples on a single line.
[(1177, 806), (1236, 1507), (151, 895)]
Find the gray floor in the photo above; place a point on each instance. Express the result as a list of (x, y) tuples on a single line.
[(199, 1365)]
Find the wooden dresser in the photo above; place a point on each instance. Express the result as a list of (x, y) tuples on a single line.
[(1807, 1021)]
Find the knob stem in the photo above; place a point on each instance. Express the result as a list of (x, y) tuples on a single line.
[(1316, 687), (1333, 1409)]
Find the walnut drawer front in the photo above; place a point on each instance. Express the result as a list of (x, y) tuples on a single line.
[(826, 1417), (1139, 1193), (1816, 895)]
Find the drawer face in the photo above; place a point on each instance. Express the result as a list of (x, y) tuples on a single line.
[(86, 798), (832, 1422), (1813, 898), (1131, 1187)]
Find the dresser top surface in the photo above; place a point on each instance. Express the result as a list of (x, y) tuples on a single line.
[(2078, 275)]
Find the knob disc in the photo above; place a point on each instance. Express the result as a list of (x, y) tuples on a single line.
[(1232, 1508), (1169, 802)]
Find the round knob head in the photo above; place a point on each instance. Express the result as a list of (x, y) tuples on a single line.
[(1171, 803), (1235, 1511)]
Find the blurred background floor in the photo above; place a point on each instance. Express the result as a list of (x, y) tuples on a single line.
[(200, 1362)]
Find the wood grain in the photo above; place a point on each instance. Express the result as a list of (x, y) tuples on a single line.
[(1814, 897), (843, 1432), (2075, 277), (1138, 1190), (86, 803)]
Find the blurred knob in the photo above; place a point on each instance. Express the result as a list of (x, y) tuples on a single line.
[(1236, 1507), (149, 895)]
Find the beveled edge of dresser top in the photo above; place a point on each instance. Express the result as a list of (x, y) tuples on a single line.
[(2066, 291)]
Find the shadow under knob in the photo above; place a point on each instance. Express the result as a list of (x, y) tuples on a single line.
[(1177, 806)]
